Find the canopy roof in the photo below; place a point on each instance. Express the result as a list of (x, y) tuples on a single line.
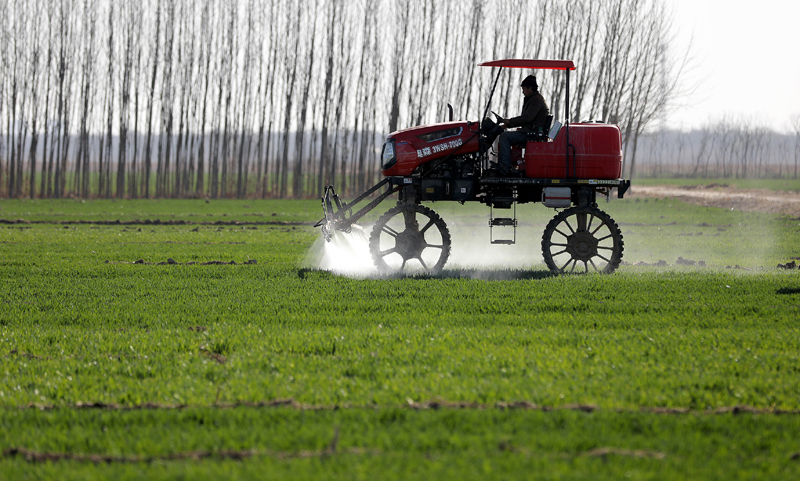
[(531, 63)]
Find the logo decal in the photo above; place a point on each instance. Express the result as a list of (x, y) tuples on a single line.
[(426, 151)]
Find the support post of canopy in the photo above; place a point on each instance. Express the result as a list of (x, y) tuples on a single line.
[(566, 125)]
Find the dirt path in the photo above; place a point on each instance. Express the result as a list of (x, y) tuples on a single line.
[(720, 195)]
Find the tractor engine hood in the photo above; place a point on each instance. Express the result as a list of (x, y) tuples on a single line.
[(405, 150)]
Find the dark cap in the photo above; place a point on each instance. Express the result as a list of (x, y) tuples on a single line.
[(530, 81)]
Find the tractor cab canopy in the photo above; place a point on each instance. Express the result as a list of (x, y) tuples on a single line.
[(565, 65), (531, 63)]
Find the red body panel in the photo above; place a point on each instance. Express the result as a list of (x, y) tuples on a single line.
[(598, 150), (418, 145), (598, 154)]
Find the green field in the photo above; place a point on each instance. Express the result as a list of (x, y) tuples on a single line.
[(785, 184), (131, 347)]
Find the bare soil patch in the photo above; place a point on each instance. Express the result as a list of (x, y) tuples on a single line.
[(726, 197)]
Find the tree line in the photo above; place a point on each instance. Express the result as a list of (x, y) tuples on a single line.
[(278, 98), (727, 147)]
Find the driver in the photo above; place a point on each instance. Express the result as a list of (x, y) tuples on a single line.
[(534, 115)]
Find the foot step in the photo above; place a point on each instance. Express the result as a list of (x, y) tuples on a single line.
[(503, 221)]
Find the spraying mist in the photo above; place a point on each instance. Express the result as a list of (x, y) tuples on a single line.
[(664, 242), (348, 253)]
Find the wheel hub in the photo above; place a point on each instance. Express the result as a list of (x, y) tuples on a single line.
[(410, 244), (582, 246)]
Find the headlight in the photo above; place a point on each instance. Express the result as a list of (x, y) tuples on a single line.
[(388, 159)]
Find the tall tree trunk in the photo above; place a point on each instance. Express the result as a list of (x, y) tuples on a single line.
[(297, 184), (323, 176), (148, 150), (291, 80)]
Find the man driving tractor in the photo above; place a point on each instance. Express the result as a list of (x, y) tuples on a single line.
[(534, 116)]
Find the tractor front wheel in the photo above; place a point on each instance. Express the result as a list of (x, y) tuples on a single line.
[(410, 238), (582, 239)]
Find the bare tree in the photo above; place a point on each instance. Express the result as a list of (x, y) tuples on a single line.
[(133, 190), (36, 75), (586, 13), (290, 79), (185, 71), (4, 35), (151, 97), (18, 94), (704, 154), (368, 79), (230, 75), (206, 53), (334, 13), (244, 104), (474, 39), (794, 121), (418, 96), (167, 102), (647, 96), (343, 62), (129, 19), (309, 57), (265, 144), (87, 90), (399, 62), (67, 13), (104, 179), (47, 166)]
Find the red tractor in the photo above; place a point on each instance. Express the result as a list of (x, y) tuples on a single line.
[(564, 167)]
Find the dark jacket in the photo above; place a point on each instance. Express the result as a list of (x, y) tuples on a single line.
[(534, 114)]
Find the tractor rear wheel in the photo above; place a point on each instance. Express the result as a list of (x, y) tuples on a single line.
[(582, 239), (410, 238)]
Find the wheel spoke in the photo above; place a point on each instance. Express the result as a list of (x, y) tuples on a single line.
[(593, 265), (589, 226), (424, 266), (566, 236), (427, 226), (598, 228), (387, 252), (435, 246), (390, 231), (605, 248), (558, 253), (598, 255), (574, 263), (604, 238), (565, 265), (566, 222), (403, 265)]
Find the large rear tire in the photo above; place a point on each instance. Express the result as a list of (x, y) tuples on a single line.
[(582, 239), (399, 244)]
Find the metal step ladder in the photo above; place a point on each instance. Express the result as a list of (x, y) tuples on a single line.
[(503, 222)]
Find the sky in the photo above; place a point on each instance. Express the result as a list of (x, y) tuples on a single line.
[(744, 61)]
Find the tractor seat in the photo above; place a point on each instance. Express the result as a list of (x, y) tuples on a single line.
[(542, 131)]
